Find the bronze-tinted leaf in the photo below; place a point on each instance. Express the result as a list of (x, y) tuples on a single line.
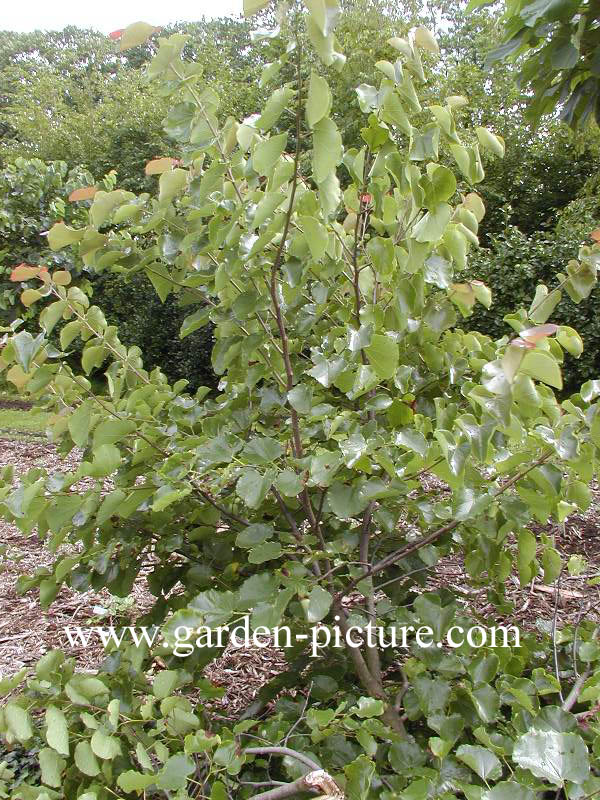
[(85, 193)]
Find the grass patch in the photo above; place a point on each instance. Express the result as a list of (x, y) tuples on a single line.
[(14, 420)]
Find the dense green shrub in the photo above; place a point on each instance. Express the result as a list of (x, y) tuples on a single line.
[(581, 216), (515, 262), (33, 196)]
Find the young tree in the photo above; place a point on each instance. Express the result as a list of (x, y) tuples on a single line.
[(295, 495)]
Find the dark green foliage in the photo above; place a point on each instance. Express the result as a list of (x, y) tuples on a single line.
[(544, 167), (582, 215), (513, 264), (560, 64), (18, 766), (536, 182), (133, 305)]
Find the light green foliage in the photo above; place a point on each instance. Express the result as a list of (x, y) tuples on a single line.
[(65, 91), (345, 376), (67, 105)]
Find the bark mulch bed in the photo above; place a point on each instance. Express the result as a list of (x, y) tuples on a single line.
[(26, 631), (14, 403)]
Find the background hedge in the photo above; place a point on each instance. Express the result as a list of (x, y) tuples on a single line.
[(133, 305)]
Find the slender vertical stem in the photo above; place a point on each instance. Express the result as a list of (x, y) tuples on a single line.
[(554, 647), (214, 133), (274, 283), (372, 652), (356, 271), (372, 684), (297, 448), (372, 655)]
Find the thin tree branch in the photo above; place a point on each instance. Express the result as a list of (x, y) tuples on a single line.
[(273, 288), (413, 547), (315, 781), (286, 790), (554, 648), (275, 750), (300, 718), (573, 695), (316, 569), (375, 688), (225, 511), (102, 337), (372, 652)]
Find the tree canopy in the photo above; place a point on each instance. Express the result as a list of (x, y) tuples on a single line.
[(558, 47)]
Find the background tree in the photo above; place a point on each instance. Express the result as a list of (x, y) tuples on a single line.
[(545, 164)]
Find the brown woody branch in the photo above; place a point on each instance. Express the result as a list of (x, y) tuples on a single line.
[(413, 547), (317, 780)]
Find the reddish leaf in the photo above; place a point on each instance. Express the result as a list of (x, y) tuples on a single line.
[(85, 193), (596, 235), (159, 165), (116, 34), (538, 333), (23, 273), (522, 343)]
